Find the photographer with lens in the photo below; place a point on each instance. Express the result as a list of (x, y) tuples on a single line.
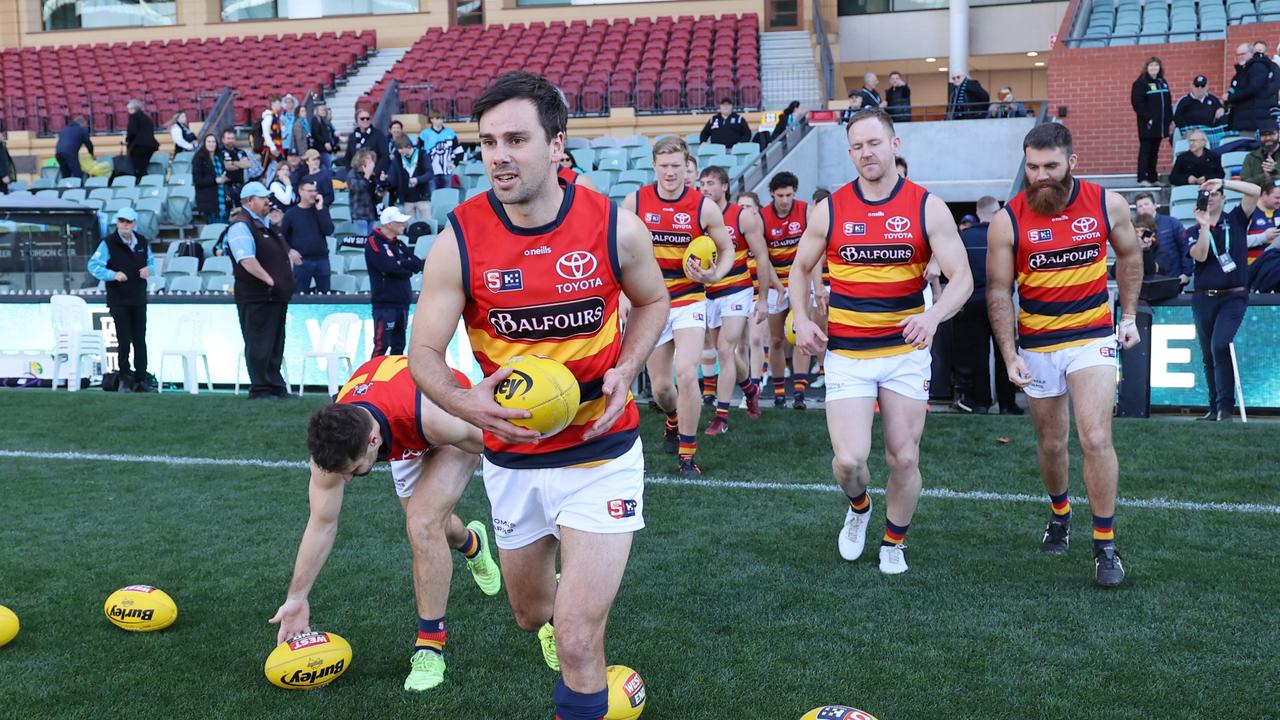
[(1219, 246)]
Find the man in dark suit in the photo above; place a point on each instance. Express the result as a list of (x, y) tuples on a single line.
[(140, 139)]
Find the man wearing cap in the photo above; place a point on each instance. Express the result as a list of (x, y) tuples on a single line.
[(1263, 162), (1201, 110), (320, 175), (391, 266), (123, 262), (264, 284)]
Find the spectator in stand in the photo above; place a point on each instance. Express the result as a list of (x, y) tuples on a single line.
[(392, 266), (139, 139), (901, 164), (1252, 96), (70, 139), (969, 220), (443, 151), (210, 176), (1197, 164), (1145, 228), (318, 173), (283, 195), (855, 104), (1264, 223), (966, 98), (1219, 247), (305, 227), (183, 139), (1007, 106), (8, 171), (362, 191), (395, 131), (235, 160), (1263, 162), (288, 116), (367, 136), (123, 262), (264, 284), (271, 132), (971, 331), (1172, 251), (323, 135), (1201, 110), (870, 96), (898, 98), (690, 171), (789, 117), (1150, 100), (301, 131), (726, 127), (409, 176)]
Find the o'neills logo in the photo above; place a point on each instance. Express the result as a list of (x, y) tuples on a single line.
[(307, 678), (131, 614), (662, 237), (554, 321), (888, 254), (1065, 258)]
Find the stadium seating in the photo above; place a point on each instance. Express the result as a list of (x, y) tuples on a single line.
[(1130, 22), (653, 65), (44, 87)]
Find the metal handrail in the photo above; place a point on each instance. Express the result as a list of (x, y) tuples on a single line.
[(824, 48), (758, 169), (388, 106), (220, 118)]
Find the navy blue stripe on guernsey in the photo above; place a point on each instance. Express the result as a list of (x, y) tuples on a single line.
[(671, 273), (874, 305), (1064, 307), (1061, 336), (417, 418), (605, 447), (588, 391), (384, 426), (462, 254), (893, 339), (614, 262), (695, 288), (737, 270)]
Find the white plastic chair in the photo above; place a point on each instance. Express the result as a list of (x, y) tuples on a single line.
[(188, 345), (339, 334), (74, 338)]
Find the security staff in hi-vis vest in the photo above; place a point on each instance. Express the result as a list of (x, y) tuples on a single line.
[(538, 267), (675, 214), (877, 235), (1052, 240)]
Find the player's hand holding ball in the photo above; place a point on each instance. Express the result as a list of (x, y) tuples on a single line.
[(700, 260), (293, 617), (478, 407)]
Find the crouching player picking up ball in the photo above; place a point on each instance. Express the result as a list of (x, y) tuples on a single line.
[(379, 416)]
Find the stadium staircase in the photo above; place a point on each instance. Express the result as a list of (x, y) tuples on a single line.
[(788, 70), (342, 102)]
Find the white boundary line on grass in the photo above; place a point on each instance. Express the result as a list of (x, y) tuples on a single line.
[(943, 493)]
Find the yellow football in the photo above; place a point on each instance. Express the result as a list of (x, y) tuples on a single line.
[(308, 661), (837, 712), (627, 693), (140, 608), (789, 327), (704, 249), (544, 387), (8, 625)]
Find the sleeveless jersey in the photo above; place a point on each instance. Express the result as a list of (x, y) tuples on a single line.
[(568, 175), (782, 235), (552, 291), (673, 224), (384, 387), (876, 255), (1259, 222), (739, 277), (1061, 267)]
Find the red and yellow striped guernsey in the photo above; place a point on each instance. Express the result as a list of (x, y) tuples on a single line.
[(384, 387), (876, 253), (553, 291), (739, 277), (782, 235), (673, 225), (568, 175), (1061, 267)]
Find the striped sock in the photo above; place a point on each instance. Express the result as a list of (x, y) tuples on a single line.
[(671, 421), (779, 386), (894, 534), (471, 547), (1103, 532), (1061, 506), (709, 385), (572, 705), (859, 503), (801, 383), (432, 635), (722, 411), (747, 387), (688, 446)]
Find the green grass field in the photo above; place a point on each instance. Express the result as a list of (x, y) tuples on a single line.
[(735, 605)]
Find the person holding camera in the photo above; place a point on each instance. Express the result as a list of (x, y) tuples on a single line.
[(1219, 246)]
